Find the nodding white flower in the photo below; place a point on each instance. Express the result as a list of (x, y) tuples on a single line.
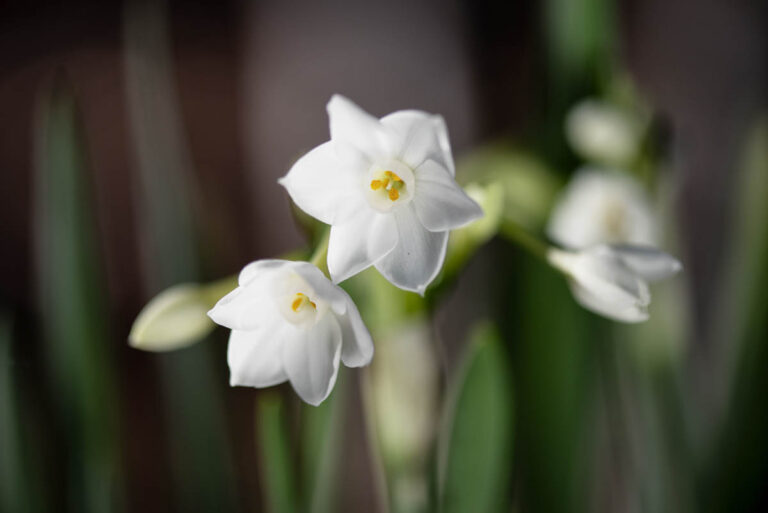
[(289, 322), (612, 280), (386, 186), (603, 133), (602, 207)]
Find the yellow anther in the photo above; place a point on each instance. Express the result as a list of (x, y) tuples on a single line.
[(301, 300), (377, 184), (393, 194), (393, 176)]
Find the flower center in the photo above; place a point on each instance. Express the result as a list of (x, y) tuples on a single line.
[(389, 184), (300, 301), (615, 221)]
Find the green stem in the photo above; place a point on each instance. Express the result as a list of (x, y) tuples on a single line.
[(320, 256), (524, 239)]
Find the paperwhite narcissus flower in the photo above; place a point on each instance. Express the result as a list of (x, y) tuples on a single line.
[(289, 322), (602, 207), (612, 280), (386, 186)]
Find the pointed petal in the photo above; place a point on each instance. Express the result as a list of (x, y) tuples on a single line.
[(600, 304), (420, 136), (255, 358), (439, 201), (245, 308), (360, 242), (602, 283), (356, 342), (322, 186), (356, 135), (311, 358), (648, 262), (418, 256), (259, 268)]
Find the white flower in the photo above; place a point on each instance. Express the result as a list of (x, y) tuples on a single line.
[(603, 133), (289, 322), (613, 280), (387, 189), (602, 207)]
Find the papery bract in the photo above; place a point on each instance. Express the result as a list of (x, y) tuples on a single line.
[(612, 280), (289, 322), (386, 186)]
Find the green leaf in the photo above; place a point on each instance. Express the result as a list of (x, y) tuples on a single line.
[(476, 443), (275, 450), (72, 299), (322, 429)]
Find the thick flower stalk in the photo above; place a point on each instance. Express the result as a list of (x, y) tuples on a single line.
[(612, 280), (290, 323), (386, 186), (602, 207)]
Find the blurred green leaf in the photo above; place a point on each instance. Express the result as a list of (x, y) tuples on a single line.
[(15, 486), (551, 338), (279, 475), (193, 381), (72, 299), (322, 428), (735, 471), (476, 446)]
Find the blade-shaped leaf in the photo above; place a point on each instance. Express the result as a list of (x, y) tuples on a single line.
[(476, 444)]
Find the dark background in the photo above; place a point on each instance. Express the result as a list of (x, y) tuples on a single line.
[(251, 80)]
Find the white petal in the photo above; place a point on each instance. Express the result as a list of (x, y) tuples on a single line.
[(602, 283), (245, 308), (311, 358), (259, 268), (420, 136), (648, 262), (322, 186), (418, 256), (360, 242), (618, 311), (439, 201), (356, 342), (356, 135), (255, 357)]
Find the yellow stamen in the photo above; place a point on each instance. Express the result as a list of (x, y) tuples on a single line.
[(393, 194), (378, 184), (393, 176), (301, 300)]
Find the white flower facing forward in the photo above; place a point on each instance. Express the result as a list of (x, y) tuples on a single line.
[(386, 186), (612, 280), (289, 322), (602, 207)]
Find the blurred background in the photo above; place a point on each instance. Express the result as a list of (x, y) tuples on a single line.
[(140, 143)]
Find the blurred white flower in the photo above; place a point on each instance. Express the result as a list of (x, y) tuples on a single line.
[(387, 189), (289, 322), (602, 207), (612, 280), (602, 133)]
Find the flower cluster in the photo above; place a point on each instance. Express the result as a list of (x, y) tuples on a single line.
[(387, 189)]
